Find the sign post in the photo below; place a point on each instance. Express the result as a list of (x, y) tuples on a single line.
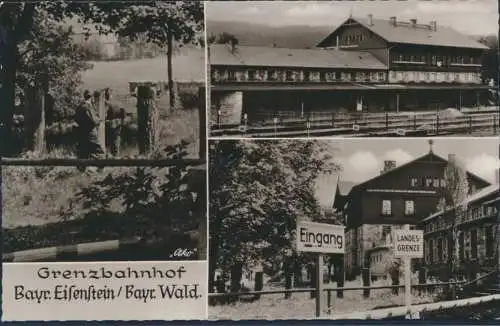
[(408, 244), (320, 238)]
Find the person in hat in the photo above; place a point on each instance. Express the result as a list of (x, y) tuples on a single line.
[(87, 131)]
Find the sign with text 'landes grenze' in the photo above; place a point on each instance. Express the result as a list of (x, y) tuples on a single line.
[(408, 243), (320, 238)]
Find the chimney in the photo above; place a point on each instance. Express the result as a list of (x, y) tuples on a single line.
[(413, 22), (392, 20), (433, 25), (337, 44), (370, 19), (388, 165)]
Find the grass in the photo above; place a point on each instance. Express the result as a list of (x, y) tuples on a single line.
[(40, 195), (300, 306)]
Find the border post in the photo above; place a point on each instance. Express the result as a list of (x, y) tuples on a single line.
[(319, 284)]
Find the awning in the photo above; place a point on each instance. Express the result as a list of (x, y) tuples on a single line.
[(337, 86)]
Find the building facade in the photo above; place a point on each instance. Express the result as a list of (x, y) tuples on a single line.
[(365, 64), (398, 196), (476, 232)]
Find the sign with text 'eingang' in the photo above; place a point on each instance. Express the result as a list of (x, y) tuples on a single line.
[(320, 238)]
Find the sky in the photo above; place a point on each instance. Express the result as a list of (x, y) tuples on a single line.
[(362, 159), (475, 17)]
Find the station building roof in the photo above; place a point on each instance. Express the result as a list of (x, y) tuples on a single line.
[(256, 56), (406, 33)]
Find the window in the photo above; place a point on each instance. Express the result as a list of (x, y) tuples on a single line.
[(427, 76), (232, 75), (431, 251), (386, 230), (414, 182), (409, 207), (289, 75), (473, 243), (272, 75), (436, 183), (440, 249), (251, 75), (307, 76), (428, 182), (443, 183), (386, 207), (489, 241)]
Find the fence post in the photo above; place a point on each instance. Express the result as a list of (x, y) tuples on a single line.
[(202, 125), (333, 119), (259, 283), (35, 119), (144, 110), (414, 122), (101, 111), (422, 278), (470, 124), (495, 125), (313, 280), (366, 282), (437, 124), (319, 284), (386, 121), (341, 277)]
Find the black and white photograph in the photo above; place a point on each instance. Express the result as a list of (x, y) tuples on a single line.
[(88, 89), (352, 68), (91, 80), (354, 229), (58, 214)]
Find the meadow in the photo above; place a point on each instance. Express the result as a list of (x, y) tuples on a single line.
[(301, 306)]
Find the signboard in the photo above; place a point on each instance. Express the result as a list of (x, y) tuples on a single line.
[(408, 243), (320, 238)]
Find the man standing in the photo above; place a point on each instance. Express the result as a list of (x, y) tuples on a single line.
[(87, 134), (115, 116)]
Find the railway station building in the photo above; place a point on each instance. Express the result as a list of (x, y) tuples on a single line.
[(364, 65), (399, 195), (476, 232)]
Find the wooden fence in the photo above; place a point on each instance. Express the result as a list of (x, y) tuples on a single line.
[(356, 125), (382, 313), (36, 128)]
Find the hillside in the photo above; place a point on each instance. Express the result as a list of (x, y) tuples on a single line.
[(262, 35)]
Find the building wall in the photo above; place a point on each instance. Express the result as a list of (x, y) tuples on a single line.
[(427, 77), (243, 74), (380, 261), (481, 218)]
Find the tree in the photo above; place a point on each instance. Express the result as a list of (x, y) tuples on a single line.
[(455, 194), (489, 61), (161, 23), (258, 190), (158, 22)]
